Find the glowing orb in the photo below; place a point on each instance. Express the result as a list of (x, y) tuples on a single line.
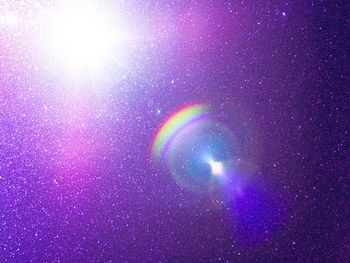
[(84, 35)]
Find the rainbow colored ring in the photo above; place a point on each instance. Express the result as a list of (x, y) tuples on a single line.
[(173, 124)]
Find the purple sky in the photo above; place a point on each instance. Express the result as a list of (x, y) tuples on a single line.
[(77, 181)]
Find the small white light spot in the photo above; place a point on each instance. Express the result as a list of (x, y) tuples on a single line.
[(216, 167)]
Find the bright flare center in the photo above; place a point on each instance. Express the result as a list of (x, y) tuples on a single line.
[(217, 168), (83, 36)]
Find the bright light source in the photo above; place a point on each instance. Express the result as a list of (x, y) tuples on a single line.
[(8, 19), (83, 36), (217, 168)]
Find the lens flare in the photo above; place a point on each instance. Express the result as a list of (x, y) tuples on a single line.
[(174, 124), (217, 168), (195, 148)]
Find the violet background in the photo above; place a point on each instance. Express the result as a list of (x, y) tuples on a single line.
[(76, 180)]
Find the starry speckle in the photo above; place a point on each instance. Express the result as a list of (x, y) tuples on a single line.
[(85, 89)]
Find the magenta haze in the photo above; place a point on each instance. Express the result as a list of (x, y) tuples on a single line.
[(77, 181)]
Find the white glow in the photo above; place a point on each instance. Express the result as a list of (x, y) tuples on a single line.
[(217, 168), (84, 36), (8, 19)]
